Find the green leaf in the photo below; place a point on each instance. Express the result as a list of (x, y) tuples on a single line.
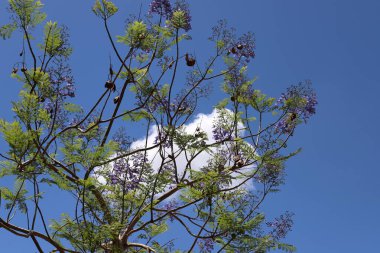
[(137, 35), (104, 9), (54, 43), (222, 104), (7, 30), (28, 12), (158, 229), (137, 116)]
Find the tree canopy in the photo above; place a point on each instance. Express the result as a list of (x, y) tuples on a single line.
[(204, 180)]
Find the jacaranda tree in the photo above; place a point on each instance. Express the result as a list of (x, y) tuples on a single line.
[(181, 179)]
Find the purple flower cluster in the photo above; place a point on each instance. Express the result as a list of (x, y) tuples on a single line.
[(170, 205), (222, 33), (126, 171), (121, 138), (55, 109), (161, 7), (245, 47), (169, 169), (49, 106), (220, 134), (281, 225), (62, 80), (235, 79), (300, 104), (207, 245), (162, 137), (68, 90)]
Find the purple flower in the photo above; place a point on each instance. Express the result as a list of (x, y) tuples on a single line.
[(67, 90), (207, 245), (299, 102), (122, 139), (281, 225), (161, 7), (163, 138), (126, 171), (220, 134), (244, 48), (170, 205)]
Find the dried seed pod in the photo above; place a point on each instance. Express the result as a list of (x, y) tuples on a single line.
[(240, 163), (23, 69), (116, 100), (240, 46), (111, 70), (190, 61), (109, 85), (293, 116), (233, 98), (14, 70), (233, 50)]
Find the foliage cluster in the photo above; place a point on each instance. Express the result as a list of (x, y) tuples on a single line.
[(126, 198)]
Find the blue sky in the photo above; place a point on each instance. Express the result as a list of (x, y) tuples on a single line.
[(332, 186)]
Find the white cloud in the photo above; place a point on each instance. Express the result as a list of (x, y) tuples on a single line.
[(205, 123)]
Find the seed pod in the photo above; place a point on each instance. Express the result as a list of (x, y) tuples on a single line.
[(14, 70), (240, 163), (23, 69), (233, 98), (293, 116), (116, 100), (233, 50), (109, 85), (111, 70), (190, 61), (240, 46)]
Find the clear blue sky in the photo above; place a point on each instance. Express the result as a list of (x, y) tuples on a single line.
[(333, 185)]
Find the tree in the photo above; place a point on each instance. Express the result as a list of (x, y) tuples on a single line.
[(127, 195)]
